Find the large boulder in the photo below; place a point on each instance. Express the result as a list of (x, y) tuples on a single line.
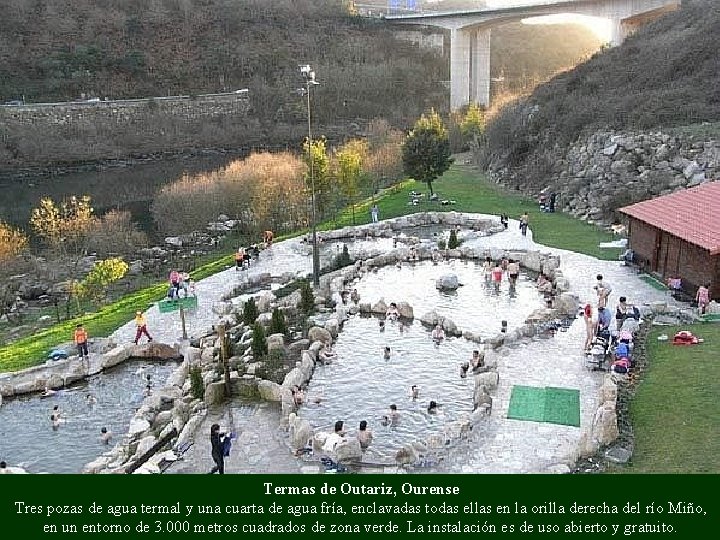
[(348, 450), (295, 377), (156, 351), (405, 310), (269, 391), (138, 425), (117, 355), (319, 334), (447, 282), (275, 342), (605, 427), (450, 327), (489, 380), (300, 432), (214, 393), (332, 325), (430, 318), (379, 307)]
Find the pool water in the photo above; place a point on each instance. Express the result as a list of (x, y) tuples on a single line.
[(28, 439), (361, 384)]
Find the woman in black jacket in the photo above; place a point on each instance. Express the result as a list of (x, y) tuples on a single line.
[(217, 449)]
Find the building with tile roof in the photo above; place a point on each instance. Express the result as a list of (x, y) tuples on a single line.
[(678, 236)]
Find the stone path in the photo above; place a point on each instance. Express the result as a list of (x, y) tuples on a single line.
[(500, 445)]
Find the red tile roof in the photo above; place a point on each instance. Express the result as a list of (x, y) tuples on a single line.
[(691, 214)]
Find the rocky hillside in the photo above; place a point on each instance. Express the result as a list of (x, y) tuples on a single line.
[(608, 170), (664, 76)]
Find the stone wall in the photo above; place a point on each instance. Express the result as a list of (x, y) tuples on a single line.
[(607, 170), (62, 133)]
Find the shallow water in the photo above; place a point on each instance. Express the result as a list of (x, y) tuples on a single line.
[(28, 439), (360, 384)]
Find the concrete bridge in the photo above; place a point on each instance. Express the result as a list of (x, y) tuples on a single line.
[(470, 34)]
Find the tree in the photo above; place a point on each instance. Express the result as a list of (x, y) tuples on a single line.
[(250, 312), (453, 242), (64, 226), (426, 152), (259, 342), (103, 274), (307, 299), (317, 163), (349, 160), (12, 242), (473, 123), (278, 325)]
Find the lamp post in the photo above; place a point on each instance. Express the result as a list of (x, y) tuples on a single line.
[(309, 76)]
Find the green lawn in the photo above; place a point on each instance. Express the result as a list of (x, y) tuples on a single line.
[(472, 191), (676, 411)]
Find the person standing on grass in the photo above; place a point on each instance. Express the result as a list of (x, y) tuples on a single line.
[(375, 213), (141, 325), (703, 298), (81, 341)]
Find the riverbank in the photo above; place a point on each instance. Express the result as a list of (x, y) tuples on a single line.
[(468, 187)]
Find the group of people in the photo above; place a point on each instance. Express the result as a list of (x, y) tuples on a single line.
[(244, 255), (493, 271), (598, 330), (180, 281)]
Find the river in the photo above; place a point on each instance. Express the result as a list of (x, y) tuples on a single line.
[(124, 187)]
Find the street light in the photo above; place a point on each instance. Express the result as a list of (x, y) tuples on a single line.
[(309, 76)]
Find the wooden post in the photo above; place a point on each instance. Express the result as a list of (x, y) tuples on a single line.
[(182, 320), (224, 364)]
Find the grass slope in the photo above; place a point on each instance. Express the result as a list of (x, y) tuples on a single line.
[(676, 412)]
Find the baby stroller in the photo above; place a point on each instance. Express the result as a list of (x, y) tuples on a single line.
[(599, 349)]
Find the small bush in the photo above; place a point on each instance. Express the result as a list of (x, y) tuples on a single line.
[(259, 343), (441, 244), (278, 324), (453, 241), (342, 259), (250, 312), (274, 368), (307, 299), (197, 387)]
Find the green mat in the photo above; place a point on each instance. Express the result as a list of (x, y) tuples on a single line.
[(549, 404), (653, 282), (167, 305), (710, 317)]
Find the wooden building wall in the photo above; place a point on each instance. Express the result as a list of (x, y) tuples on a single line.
[(671, 256)]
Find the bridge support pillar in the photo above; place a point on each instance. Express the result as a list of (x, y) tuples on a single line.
[(480, 68), (469, 67), (619, 30), (459, 68)]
